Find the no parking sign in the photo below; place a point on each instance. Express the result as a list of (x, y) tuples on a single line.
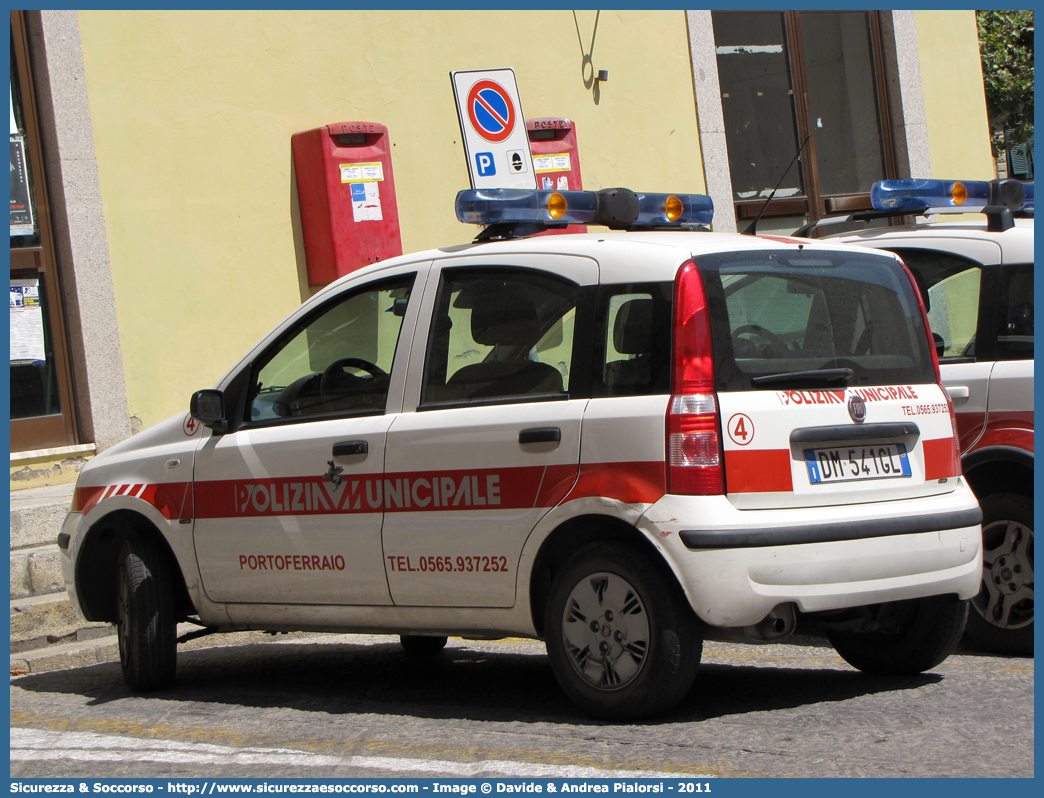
[(493, 128)]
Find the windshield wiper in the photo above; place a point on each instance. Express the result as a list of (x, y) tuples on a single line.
[(817, 375)]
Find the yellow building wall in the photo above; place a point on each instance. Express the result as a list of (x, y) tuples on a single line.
[(193, 112), (954, 98)]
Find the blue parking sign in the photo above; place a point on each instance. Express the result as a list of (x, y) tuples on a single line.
[(484, 162)]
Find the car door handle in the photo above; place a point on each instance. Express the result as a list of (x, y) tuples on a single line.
[(540, 435), (345, 448), (958, 392)]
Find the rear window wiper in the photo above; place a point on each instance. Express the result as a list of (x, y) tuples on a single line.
[(816, 375)]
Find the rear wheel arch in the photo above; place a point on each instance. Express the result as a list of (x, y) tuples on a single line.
[(571, 536), (97, 564), (999, 469)]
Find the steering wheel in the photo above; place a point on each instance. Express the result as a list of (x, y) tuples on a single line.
[(774, 341), (331, 383)]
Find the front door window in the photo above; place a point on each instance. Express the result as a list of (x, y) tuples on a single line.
[(336, 363)]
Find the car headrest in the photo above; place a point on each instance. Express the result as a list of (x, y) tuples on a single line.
[(632, 332), (499, 316)]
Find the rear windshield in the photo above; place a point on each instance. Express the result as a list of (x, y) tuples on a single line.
[(785, 319)]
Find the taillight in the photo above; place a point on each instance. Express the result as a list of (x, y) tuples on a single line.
[(935, 363), (694, 456)]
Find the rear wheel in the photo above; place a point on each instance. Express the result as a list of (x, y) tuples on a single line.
[(1001, 619), (914, 636), (146, 626), (422, 645), (623, 641)]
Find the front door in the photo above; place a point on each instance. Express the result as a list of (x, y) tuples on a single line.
[(289, 506), (959, 295)]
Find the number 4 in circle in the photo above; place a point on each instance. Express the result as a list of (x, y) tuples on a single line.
[(741, 429)]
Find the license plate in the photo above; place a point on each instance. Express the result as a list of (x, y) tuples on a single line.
[(856, 463)]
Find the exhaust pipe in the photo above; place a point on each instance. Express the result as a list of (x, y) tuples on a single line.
[(775, 626)]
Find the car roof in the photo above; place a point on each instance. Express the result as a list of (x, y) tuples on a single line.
[(617, 252)]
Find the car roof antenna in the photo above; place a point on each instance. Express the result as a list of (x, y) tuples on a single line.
[(752, 230)]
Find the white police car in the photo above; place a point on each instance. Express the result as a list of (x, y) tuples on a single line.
[(623, 443), (976, 275)]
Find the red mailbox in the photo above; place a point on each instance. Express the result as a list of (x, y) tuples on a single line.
[(556, 160), (346, 192)]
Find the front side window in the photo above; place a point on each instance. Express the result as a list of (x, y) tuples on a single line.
[(500, 335), (778, 318), (950, 286), (337, 361)]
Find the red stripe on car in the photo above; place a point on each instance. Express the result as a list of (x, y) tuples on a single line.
[(630, 483), (757, 471), (940, 459)]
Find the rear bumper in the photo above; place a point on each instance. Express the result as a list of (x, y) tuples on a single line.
[(831, 531), (737, 565)]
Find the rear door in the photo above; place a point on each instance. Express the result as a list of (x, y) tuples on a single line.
[(494, 442), (826, 385)]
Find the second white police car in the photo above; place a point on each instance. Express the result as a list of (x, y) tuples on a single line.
[(622, 443), (974, 266)]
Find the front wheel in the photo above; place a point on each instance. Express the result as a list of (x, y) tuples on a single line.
[(912, 636), (623, 642), (1001, 619), (146, 626)]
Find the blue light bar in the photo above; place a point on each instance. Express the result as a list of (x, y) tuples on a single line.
[(1027, 202), (616, 208), (653, 209), (953, 196), (492, 205)]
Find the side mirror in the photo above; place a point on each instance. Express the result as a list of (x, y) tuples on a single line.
[(208, 408)]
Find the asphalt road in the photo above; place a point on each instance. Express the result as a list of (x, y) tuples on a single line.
[(350, 706)]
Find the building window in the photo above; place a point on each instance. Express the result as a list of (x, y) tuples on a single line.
[(794, 75), (42, 408)]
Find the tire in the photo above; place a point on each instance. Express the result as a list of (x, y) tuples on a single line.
[(927, 632), (146, 626), (1001, 617), (422, 645), (611, 598)]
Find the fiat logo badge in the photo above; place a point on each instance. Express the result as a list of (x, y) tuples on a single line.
[(857, 408)]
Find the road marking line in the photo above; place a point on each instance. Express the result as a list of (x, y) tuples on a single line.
[(383, 749), (37, 744)]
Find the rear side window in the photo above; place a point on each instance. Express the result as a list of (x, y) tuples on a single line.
[(776, 315), (633, 342)]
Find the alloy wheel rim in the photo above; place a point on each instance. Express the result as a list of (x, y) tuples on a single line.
[(605, 628), (1006, 598)]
